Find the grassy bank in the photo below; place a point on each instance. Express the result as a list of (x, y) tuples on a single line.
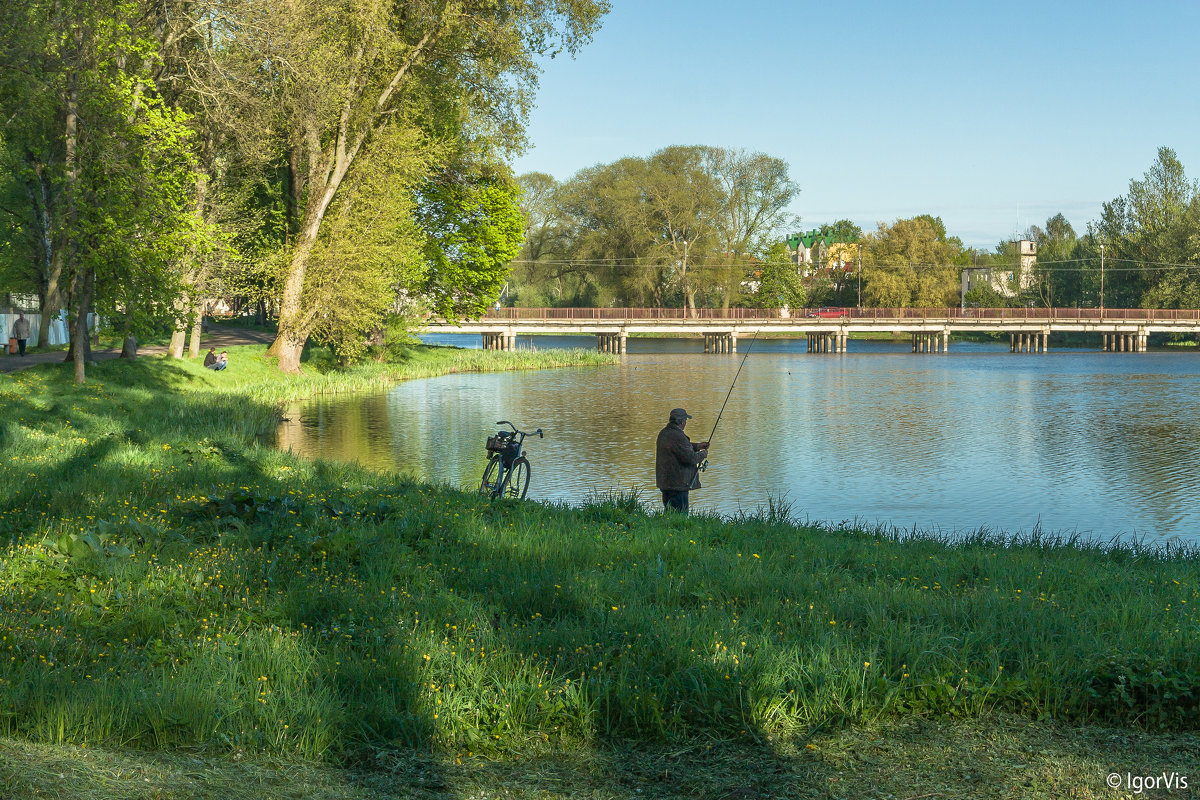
[(997, 757), (169, 581)]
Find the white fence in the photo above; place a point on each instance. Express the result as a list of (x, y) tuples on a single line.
[(56, 335)]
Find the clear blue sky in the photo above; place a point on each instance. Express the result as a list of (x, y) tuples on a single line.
[(988, 114)]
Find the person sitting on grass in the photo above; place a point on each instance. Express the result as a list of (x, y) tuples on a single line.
[(222, 362), (210, 358)]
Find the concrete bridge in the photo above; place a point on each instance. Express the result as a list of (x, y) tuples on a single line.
[(828, 329)]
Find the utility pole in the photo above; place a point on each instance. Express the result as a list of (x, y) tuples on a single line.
[(1102, 281), (860, 277)]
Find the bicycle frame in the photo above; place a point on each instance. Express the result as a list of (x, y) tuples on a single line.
[(508, 454)]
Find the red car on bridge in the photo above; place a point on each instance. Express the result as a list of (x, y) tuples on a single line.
[(829, 312)]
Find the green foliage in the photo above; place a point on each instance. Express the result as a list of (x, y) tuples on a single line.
[(371, 244), (1153, 690), (1152, 238), (682, 225), (844, 230), (104, 165), (911, 263), (779, 283), (473, 229)]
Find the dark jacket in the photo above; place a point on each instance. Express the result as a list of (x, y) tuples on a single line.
[(210, 359), (675, 460)]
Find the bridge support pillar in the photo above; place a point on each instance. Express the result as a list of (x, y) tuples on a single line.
[(720, 342), (925, 342), (499, 340)]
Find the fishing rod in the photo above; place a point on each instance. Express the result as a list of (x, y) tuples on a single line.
[(701, 467)]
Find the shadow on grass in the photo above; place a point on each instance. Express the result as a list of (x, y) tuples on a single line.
[(129, 632)]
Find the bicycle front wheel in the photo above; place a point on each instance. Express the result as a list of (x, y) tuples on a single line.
[(493, 474), (516, 481)]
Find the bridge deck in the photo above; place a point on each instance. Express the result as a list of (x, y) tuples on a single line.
[(750, 321)]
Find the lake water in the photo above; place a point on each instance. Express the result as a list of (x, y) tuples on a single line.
[(1071, 441)]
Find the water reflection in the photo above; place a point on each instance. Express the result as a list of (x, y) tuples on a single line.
[(1101, 444)]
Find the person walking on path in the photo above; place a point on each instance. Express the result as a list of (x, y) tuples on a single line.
[(677, 462), (20, 332)]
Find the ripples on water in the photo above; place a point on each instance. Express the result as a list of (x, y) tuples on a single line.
[(1103, 444)]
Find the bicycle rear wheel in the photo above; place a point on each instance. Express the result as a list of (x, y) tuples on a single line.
[(516, 480), (493, 475)]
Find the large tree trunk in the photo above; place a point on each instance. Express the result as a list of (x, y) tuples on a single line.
[(294, 322), (295, 194), (80, 290), (200, 268), (48, 244), (197, 329), (175, 348), (293, 332), (79, 342), (129, 345)]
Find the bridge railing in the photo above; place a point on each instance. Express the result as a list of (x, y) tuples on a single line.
[(635, 315)]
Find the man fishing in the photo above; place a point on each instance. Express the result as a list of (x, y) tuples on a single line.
[(677, 462)]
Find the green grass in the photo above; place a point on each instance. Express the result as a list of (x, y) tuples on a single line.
[(170, 582), (994, 757)]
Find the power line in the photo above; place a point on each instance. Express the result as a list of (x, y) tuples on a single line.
[(1085, 265)]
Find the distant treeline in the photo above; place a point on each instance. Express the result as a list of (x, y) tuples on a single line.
[(706, 226)]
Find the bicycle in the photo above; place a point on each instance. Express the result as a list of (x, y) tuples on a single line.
[(507, 471)]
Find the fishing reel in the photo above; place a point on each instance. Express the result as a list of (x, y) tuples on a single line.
[(702, 466)]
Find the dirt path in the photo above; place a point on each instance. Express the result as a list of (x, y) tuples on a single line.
[(217, 337)]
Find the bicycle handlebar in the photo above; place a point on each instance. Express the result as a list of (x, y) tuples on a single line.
[(539, 433)]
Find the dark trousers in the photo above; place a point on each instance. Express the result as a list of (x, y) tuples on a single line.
[(21, 346), (675, 499)]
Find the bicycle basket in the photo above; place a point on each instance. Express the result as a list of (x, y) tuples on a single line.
[(496, 444)]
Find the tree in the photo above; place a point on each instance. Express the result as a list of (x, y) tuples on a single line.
[(108, 165), (682, 226), (615, 246), (1146, 232), (844, 230), (1058, 274), (542, 274), (456, 71), (911, 263), (473, 228), (755, 193), (779, 284)]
